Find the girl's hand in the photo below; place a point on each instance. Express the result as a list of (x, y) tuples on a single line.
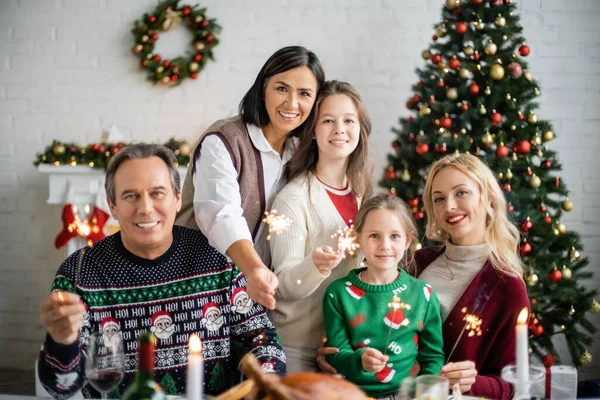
[(463, 373), (322, 360), (325, 259), (373, 360)]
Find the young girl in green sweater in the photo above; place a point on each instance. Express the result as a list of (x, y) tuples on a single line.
[(385, 323)]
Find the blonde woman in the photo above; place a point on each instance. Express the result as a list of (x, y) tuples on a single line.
[(476, 271)]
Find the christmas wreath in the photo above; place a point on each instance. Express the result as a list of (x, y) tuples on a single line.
[(168, 15), (97, 155)]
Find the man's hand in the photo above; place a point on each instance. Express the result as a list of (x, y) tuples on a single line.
[(325, 259), (322, 360), (60, 314), (373, 360), (261, 285), (463, 373)]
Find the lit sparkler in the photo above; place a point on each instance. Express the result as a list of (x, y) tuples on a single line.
[(472, 325), (277, 223), (347, 240), (396, 304)]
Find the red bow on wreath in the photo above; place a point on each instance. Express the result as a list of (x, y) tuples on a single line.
[(72, 225)]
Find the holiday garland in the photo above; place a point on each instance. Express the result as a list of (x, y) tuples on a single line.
[(97, 155), (167, 15)]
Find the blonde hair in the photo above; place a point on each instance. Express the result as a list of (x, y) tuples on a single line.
[(501, 236), (396, 206)]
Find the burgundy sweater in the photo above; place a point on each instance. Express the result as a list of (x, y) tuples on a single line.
[(497, 300)]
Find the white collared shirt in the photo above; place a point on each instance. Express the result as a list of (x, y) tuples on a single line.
[(217, 197)]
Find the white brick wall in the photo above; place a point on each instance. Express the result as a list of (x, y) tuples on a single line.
[(66, 72)]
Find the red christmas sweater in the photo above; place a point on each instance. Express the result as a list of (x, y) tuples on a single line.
[(358, 315)]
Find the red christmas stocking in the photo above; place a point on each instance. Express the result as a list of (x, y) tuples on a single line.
[(97, 221), (69, 230)]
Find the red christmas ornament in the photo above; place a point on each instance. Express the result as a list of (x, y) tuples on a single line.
[(547, 218), (495, 2), (454, 63), (204, 24), (114, 150), (151, 18), (525, 249), (419, 215), (210, 38), (174, 77), (507, 187), (156, 58), (441, 148), (521, 116), (411, 136), (413, 202), (543, 208), (557, 181), (436, 58), (143, 63), (422, 148), (529, 172), (464, 107), (538, 330), (101, 149), (474, 88), (526, 225), (166, 63), (390, 173), (496, 118), (154, 37), (476, 56), (524, 50), (441, 83), (198, 57), (548, 360), (521, 146), (95, 147), (461, 28), (72, 149), (502, 151), (457, 11), (547, 164), (477, 2), (431, 99), (446, 122), (555, 275), (510, 207), (186, 11), (515, 70), (434, 37)]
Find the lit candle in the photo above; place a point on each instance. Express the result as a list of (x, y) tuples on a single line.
[(522, 332), (195, 372)]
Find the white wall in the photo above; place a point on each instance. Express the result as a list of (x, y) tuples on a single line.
[(66, 71)]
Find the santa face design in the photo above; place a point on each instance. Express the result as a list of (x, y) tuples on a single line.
[(268, 366), (65, 381), (213, 319), (163, 327), (110, 332), (242, 303)]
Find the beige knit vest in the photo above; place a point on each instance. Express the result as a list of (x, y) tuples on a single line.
[(246, 160)]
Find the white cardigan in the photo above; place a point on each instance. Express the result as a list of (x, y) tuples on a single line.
[(298, 315)]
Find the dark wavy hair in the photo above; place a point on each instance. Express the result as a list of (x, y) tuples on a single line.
[(252, 107), (306, 155)]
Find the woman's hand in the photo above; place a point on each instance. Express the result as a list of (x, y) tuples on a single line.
[(322, 360), (463, 373), (325, 259), (373, 360)]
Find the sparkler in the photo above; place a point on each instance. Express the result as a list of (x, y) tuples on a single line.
[(347, 240), (395, 305), (472, 325), (277, 223)]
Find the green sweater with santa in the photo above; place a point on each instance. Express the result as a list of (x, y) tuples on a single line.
[(401, 319)]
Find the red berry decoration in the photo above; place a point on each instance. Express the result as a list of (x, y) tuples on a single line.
[(521, 146), (496, 118), (436, 58), (525, 249), (464, 107), (151, 19), (461, 28), (198, 57), (476, 56), (549, 360), (507, 187), (524, 50), (441, 83), (510, 207), (174, 77), (547, 164), (555, 275), (114, 150), (446, 122), (502, 151), (156, 58), (474, 88), (526, 225), (186, 11), (210, 38), (95, 147), (538, 330), (454, 63), (204, 24), (166, 63), (422, 148)]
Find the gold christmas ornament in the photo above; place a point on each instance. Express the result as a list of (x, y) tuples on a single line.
[(595, 307), (452, 4), (556, 232), (497, 72), (58, 149), (137, 48), (537, 92), (165, 80), (571, 310), (440, 31), (532, 279), (464, 73), (405, 176), (509, 174), (532, 118), (426, 54), (185, 149), (500, 21), (508, 96), (479, 25), (487, 140), (482, 110), (145, 38), (199, 46), (574, 254), (540, 153), (504, 37), (424, 111), (160, 69), (469, 51), (528, 75), (535, 181), (567, 205), (194, 67), (487, 91), (585, 358), (490, 48), (566, 273), (452, 93), (562, 228), (548, 136), (198, 19)]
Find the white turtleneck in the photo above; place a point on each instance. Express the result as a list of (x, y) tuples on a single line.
[(460, 262)]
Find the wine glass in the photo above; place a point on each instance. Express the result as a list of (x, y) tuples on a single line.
[(105, 363)]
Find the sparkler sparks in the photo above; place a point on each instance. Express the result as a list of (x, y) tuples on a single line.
[(347, 240), (396, 304), (472, 326), (277, 223)]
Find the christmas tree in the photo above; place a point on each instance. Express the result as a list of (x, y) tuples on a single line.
[(475, 95)]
